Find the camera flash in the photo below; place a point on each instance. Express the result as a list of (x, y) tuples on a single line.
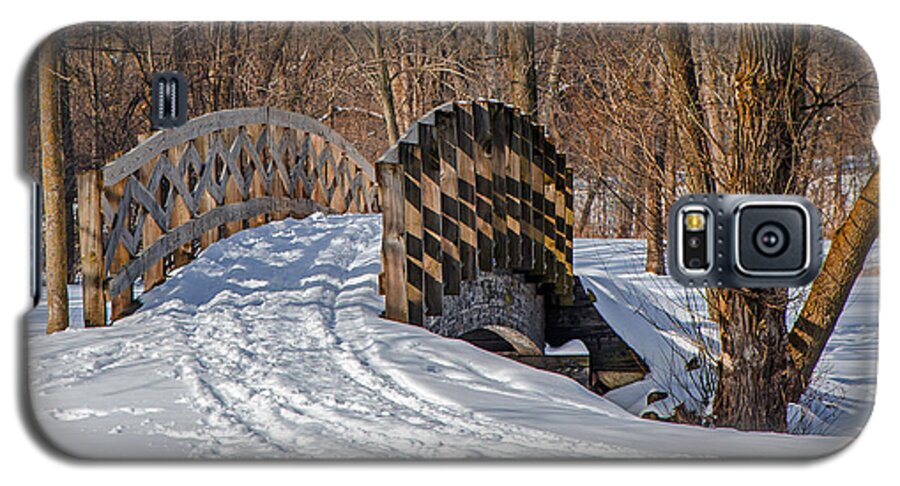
[(694, 221)]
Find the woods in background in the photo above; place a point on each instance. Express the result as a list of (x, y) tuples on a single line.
[(645, 114)]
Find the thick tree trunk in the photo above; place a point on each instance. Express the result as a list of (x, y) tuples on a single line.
[(755, 372), (830, 290), (53, 187), (522, 76)]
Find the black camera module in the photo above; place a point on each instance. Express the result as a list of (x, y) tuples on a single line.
[(744, 241), (771, 239)]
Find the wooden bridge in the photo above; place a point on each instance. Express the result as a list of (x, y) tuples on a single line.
[(180, 190), (477, 212)]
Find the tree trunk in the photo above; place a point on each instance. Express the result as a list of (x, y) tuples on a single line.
[(655, 228), (385, 93), (54, 188), (492, 54), (586, 213), (831, 289), (755, 372), (522, 76), (685, 96)]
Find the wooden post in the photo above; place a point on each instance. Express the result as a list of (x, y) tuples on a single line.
[(90, 237), (393, 244), (52, 167)]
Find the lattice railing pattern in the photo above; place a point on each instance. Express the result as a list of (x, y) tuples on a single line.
[(473, 187), (185, 188)]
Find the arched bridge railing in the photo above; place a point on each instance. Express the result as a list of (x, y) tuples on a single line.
[(182, 189), (473, 188)]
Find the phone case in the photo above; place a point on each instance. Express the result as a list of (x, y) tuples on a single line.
[(440, 240)]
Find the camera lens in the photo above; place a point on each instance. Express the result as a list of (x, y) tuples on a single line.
[(694, 242), (771, 239)]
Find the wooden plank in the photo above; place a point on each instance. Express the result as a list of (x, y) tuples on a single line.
[(154, 274), (484, 186), (465, 155), (512, 174), (256, 162), (537, 200), (431, 218), (233, 168), (393, 244), (121, 301), (130, 162), (445, 128), (181, 213), (282, 161), (549, 209), (415, 266), (560, 226), (90, 237), (206, 200), (569, 296), (522, 147), (498, 165)]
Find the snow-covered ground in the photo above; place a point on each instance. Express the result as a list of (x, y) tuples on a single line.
[(666, 324), (270, 345)]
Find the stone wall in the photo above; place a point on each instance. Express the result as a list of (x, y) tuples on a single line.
[(501, 302)]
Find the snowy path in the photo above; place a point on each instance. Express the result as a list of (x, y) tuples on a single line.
[(269, 345)]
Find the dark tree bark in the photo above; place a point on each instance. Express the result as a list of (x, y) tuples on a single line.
[(53, 187), (755, 371), (522, 76), (831, 289), (383, 81)]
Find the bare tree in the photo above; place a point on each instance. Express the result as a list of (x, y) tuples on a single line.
[(52, 168)]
